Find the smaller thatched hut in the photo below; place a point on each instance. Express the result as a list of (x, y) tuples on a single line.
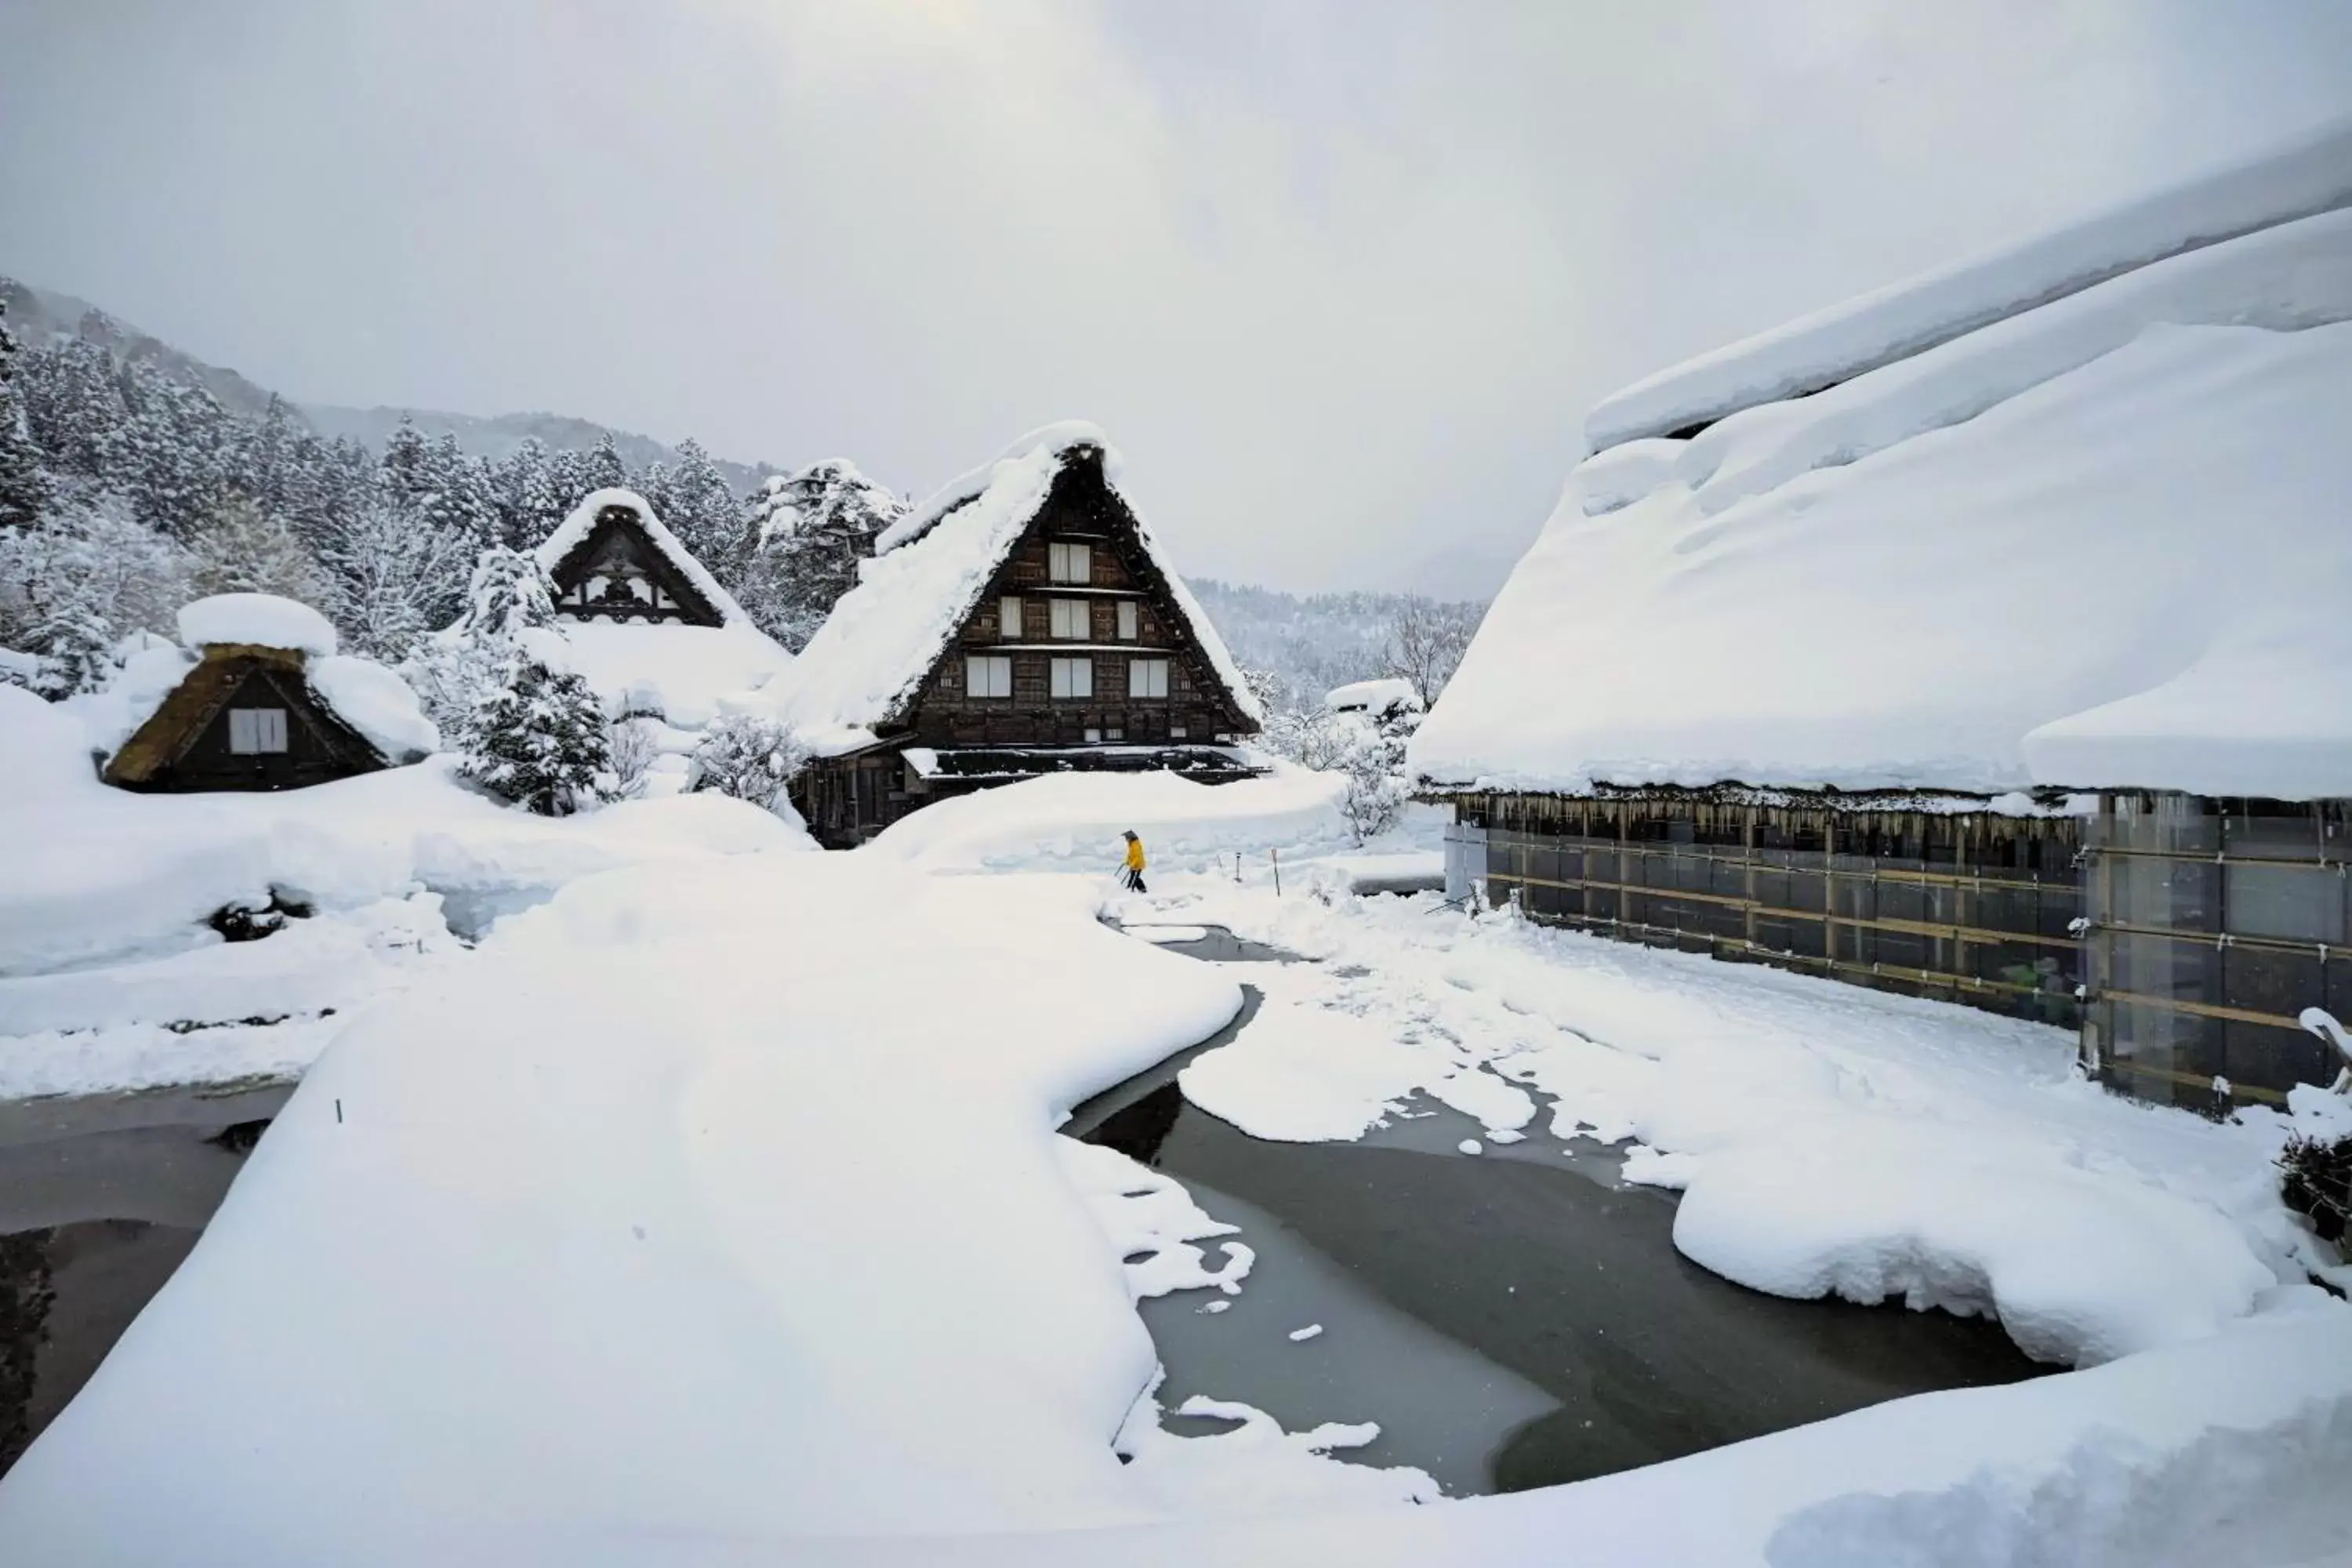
[(260, 699)]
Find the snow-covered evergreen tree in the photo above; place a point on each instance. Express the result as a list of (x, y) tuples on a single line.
[(700, 507), (539, 739), (525, 487), (72, 406), (808, 532), (171, 457), (24, 485), (453, 670)]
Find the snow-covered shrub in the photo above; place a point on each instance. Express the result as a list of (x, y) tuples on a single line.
[(2315, 1181), (748, 756), (393, 576), (635, 745), (539, 739), (1369, 752)]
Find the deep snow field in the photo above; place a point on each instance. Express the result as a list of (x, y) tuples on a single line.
[(697, 1200)]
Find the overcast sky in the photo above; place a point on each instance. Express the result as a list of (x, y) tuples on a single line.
[(1341, 277)]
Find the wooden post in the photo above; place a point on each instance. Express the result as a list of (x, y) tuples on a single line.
[(1276, 856)]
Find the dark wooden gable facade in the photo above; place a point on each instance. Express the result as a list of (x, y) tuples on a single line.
[(243, 719), (617, 573), (1075, 657)]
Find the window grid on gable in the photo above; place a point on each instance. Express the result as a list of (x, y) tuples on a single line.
[(1008, 617), (1069, 562), (1072, 619), (1147, 677), (1074, 677), (256, 731), (1129, 621), (988, 675)]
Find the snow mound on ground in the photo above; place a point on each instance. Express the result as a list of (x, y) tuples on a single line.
[(684, 1281), (264, 620), (2079, 1270), (376, 702), (1073, 821), (2149, 547), (2311, 175), (691, 674), (99, 875), (574, 528)]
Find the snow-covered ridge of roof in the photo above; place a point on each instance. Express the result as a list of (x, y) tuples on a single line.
[(887, 632), (263, 620), (572, 529), (2132, 573), (1056, 438), (2308, 176)]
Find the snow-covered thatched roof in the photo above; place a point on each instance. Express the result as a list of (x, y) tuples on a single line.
[(573, 531), (929, 570), (184, 688), (2101, 543), (2309, 177)]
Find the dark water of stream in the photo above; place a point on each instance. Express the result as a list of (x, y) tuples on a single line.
[(100, 1199), (1512, 1319)]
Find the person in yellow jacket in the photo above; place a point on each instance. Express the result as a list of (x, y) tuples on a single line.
[(1134, 862)]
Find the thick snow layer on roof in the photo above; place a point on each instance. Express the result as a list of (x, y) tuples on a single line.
[(574, 528), (684, 672), (2132, 574), (932, 568), (264, 620), (376, 702), (2312, 176), (1385, 695)]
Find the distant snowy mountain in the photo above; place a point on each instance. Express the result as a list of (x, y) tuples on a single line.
[(39, 315)]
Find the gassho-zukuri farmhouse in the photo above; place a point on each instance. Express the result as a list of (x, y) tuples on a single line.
[(1986, 638), (1022, 622)]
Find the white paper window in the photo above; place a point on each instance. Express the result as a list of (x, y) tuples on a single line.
[(1070, 563), (1147, 677), (1074, 677), (256, 731), (1177, 732), (987, 674), (1129, 620), (1008, 617), (1072, 619)]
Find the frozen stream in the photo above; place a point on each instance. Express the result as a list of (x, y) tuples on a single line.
[(1515, 1319)]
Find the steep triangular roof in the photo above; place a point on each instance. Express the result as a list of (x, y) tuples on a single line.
[(632, 512), (863, 669)]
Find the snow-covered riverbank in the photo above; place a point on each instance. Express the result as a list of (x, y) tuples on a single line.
[(711, 1210)]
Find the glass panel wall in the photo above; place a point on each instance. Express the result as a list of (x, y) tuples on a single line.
[(2212, 924), (1962, 906)]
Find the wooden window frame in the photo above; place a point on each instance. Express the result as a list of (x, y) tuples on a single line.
[(1139, 677), (1069, 561), (979, 676), (1070, 620), (257, 732), (1067, 675)]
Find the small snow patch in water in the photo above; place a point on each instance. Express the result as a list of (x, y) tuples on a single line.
[(1471, 1146), (1300, 1336)]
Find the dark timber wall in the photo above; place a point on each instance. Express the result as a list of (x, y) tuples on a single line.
[(1965, 906)]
